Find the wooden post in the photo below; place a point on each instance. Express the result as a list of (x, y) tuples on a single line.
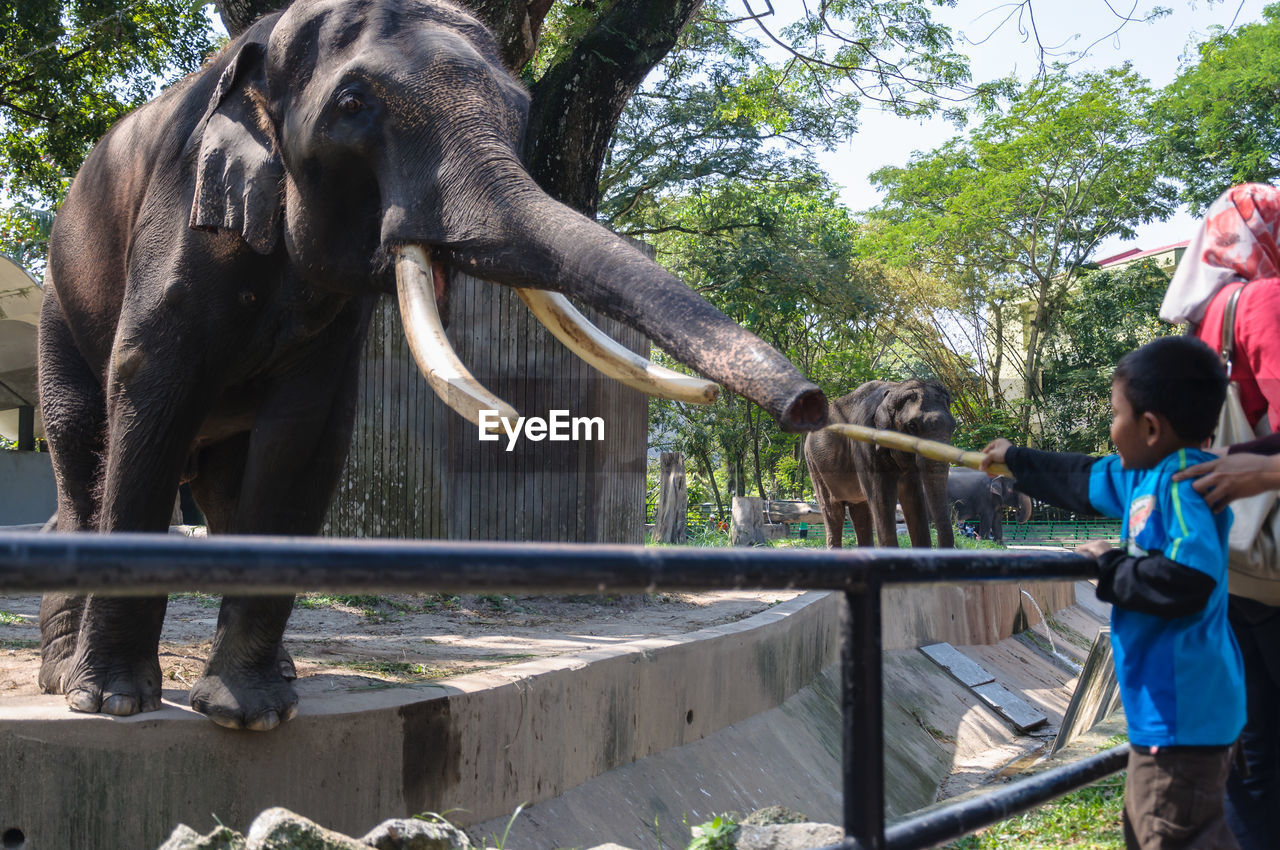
[(748, 522), (673, 500)]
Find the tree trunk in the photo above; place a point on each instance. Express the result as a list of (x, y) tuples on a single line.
[(709, 471), (577, 103), (673, 500), (748, 522)]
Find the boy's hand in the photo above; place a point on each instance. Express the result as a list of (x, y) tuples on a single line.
[(1094, 548), (994, 452)]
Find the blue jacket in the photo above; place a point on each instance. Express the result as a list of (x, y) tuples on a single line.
[(1180, 672)]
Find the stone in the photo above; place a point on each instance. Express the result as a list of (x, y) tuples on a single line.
[(416, 834), (771, 815), (788, 836), (186, 838), (609, 846), (281, 829)]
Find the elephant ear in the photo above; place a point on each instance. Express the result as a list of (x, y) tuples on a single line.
[(238, 169)]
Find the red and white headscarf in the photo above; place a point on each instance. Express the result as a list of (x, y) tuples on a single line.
[(1236, 243)]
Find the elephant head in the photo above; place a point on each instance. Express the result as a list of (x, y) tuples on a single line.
[(1004, 493), (378, 144)]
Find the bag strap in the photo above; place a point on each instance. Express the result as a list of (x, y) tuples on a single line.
[(1229, 329)]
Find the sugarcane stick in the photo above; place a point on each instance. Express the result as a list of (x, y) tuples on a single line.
[(931, 449)]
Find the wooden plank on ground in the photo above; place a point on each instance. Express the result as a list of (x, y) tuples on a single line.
[(964, 669), (1011, 707)]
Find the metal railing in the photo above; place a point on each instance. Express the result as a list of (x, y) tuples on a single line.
[(139, 564)]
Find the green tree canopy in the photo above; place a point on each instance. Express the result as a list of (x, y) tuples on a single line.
[(1008, 215), (1111, 314), (1219, 121), (778, 259), (71, 68)]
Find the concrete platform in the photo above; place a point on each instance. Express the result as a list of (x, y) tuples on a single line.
[(478, 746)]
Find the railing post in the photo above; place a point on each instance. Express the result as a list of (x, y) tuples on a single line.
[(863, 717)]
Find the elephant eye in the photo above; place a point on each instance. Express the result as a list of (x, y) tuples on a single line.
[(350, 103)]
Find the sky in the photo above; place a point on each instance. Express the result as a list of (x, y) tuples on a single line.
[(1156, 50)]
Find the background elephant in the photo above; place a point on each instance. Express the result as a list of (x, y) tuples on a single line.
[(976, 495), (868, 480), (210, 282)]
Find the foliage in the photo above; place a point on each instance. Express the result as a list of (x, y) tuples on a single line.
[(1089, 817), (70, 68), (1220, 118), (778, 260), (24, 236), (1007, 217), (1113, 313), (716, 834)]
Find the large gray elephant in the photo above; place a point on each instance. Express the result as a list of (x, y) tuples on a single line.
[(867, 480), (211, 278), (976, 495)]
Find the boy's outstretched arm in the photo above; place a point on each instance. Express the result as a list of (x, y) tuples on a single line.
[(1151, 583), (1058, 478)]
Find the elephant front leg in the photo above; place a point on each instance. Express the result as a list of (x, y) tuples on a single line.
[(115, 668), (881, 487), (860, 513), (151, 418), (244, 684), (911, 497), (276, 480)]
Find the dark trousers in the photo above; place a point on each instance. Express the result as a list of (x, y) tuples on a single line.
[(1253, 801), (1174, 799)]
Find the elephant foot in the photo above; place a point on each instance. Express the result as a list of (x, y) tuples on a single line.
[(116, 685), (285, 661), (257, 700)]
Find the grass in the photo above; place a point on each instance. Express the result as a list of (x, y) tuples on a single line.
[(8, 618), (19, 643), (403, 670), (1087, 818), (204, 600), (711, 536)]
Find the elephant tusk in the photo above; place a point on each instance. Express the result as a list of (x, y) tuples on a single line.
[(931, 449), (436, 359), (610, 357)]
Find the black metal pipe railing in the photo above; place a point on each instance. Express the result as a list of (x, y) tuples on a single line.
[(141, 564)]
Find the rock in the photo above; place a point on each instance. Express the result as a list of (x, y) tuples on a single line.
[(609, 846), (773, 815), (415, 834), (186, 838), (789, 836), (281, 829)]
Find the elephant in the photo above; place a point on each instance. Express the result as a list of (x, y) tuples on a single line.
[(975, 495), (210, 282), (867, 480)]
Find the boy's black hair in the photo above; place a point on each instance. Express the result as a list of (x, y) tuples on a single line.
[(1181, 379)]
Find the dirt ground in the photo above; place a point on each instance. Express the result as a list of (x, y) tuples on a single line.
[(361, 642)]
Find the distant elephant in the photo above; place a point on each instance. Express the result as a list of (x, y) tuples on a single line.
[(210, 283), (868, 480), (976, 495)]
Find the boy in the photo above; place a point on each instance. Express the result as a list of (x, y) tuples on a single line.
[(1180, 673)]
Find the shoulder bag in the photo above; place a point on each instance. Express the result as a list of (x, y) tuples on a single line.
[(1255, 528)]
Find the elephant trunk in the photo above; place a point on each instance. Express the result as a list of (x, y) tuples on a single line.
[(545, 245)]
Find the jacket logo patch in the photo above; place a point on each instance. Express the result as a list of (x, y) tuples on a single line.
[(1139, 512)]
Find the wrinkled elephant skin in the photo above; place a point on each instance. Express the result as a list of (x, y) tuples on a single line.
[(211, 277), (866, 480), (975, 495)]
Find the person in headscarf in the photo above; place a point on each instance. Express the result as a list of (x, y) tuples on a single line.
[(1235, 248)]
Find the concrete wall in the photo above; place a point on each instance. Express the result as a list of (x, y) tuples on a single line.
[(27, 491)]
